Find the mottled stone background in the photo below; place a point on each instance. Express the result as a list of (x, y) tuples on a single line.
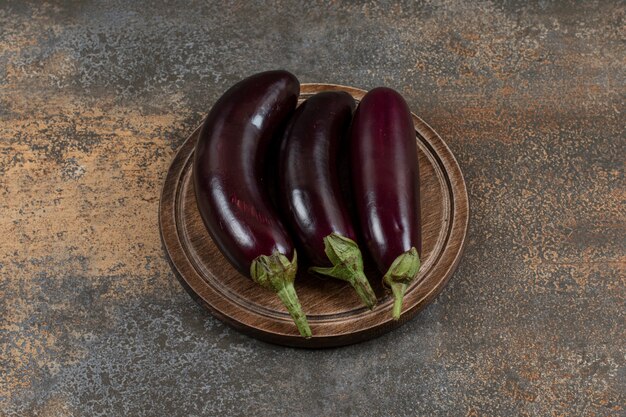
[(96, 96)]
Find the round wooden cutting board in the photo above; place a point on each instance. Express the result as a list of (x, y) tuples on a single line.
[(335, 314)]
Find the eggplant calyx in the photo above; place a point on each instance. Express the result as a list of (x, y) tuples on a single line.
[(400, 274), (277, 273), (347, 263)]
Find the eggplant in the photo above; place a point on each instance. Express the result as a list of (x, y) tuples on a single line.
[(385, 180), (310, 194), (233, 200)]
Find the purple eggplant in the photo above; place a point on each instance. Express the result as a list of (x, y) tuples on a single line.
[(385, 179), (228, 179), (310, 194)]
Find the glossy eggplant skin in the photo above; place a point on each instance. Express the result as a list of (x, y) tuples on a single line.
[(310, 194), (228, 167), (385, 176)]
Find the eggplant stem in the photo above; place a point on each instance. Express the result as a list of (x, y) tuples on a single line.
[(277, 273), (398, 290), (402, 271), (288, 296), (347, 263)]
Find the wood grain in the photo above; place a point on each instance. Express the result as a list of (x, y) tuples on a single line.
[(334, 312)]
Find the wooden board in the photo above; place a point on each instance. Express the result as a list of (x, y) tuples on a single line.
[(335, 314)]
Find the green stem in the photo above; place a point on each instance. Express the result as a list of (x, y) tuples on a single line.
[(277, 273), (400, 274), (347, 262), (288, 296), (398, 290)]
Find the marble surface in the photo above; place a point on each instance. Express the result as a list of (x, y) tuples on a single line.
[(95, 98)]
